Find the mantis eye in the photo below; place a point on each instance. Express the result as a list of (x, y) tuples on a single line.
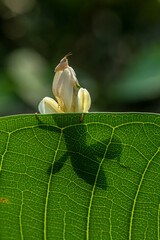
[(63, 60), (63, 64)]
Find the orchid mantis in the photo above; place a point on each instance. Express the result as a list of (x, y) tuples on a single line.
[(70, 96)]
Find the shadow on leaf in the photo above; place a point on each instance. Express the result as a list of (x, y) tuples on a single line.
[(86, 153)]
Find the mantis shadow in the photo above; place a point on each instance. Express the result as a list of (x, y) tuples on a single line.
[(86, 153)]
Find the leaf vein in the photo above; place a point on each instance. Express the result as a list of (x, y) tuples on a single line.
[(136, 196), (93, 189), (48, 189)]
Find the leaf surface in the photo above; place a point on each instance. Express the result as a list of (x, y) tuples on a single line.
[(62, 179)]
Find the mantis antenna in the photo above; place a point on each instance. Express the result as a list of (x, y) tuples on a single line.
[(68, 54)]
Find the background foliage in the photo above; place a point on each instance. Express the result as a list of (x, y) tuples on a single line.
[(115, 46)]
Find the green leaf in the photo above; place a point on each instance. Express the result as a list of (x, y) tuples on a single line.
[(62, 179)]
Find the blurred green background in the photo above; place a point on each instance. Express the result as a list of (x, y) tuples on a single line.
[(115, 46)]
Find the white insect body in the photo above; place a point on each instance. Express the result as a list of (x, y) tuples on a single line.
[(67, 91)]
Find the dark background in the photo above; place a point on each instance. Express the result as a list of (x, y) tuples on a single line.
[(115, 46)]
